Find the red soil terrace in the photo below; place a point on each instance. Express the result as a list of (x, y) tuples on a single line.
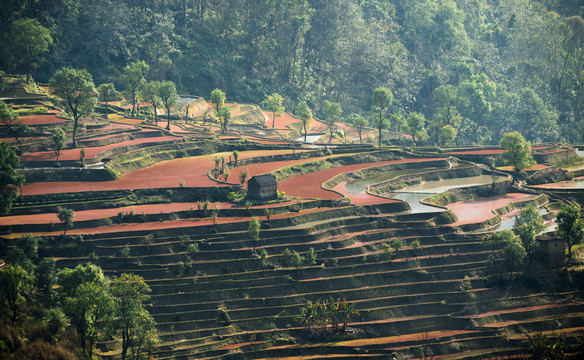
[(73, 154), (478, 210), (41, 119), (191, 171)]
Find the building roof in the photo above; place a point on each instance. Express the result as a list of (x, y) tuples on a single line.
[(264, 180)]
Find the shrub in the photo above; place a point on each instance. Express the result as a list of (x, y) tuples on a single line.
[(311, 257), (93, 258), (193, 248), (296, 259), (125, 252)]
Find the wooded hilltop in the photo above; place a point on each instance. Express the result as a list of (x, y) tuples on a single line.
[(485, 67)]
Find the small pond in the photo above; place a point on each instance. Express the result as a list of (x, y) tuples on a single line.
[(447, 184), (579, 151), (508, 221), (577, 183), (310, 138), (413, 199)]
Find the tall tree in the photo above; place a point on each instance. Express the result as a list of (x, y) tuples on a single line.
[(254, 231), (66, 216), (135, 324), (224, 118), (11, 120), (273, 103), (305, 115), (58, 137), (415, 125), (359, 123), (380, 103), (570, 227), (15, 284), (218, 99), (530, 224), (75, 88), (28, 41), (134, 76), (150, 93), (106, 94), (332, 113), (86, 302), (10, 180), (518, 152), (168, 95)]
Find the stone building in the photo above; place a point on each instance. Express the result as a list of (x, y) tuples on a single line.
[(262, 187)]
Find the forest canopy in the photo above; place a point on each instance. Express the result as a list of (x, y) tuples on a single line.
[(481, 68)]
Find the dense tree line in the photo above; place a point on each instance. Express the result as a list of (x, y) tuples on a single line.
[(473, 70), (47, 312)]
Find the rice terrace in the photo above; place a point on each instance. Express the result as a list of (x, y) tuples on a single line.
[(140, 221)]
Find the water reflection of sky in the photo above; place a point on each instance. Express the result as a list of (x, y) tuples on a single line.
[(577, 183), (310, 138), (508, 221), (413, 199), (447, 184), (580, 151)]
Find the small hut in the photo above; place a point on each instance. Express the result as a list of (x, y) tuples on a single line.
[(551, 250), (262, 187)]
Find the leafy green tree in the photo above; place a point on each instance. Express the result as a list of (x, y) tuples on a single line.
[(224, 118), (11, 120), (86, 302), (396, 244), (311, 256), (131, 319), (495, 241), (254, 231), (15, 285), (347, 311), (75, 87), (570, 226), (332, 113), (66, 216), (28, 41), (518, 152), (218, 99), (10, 180), (380, 103), (273, 103), (235, 156), (447, 135), (359, 123), (134, 77), (46, 278), (168, 96), (150, 93), (513, 256), (415, 125), (533, 118), (305, 115), (107, 93), (58, 137), (530, 224)]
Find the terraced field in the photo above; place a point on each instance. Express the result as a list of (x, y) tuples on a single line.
[(224, 301)]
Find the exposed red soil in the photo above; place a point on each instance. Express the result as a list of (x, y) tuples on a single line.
[(41, 119), (523, 309), (364, 198), (172, 224), (477, 210), (191, 171), (308, 185), (234, 346), (85, 215), (488, 151), (561, 185), (535, 167), (140, 104), (90, 152), (282, 121), (478, 152), (403, 338)]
